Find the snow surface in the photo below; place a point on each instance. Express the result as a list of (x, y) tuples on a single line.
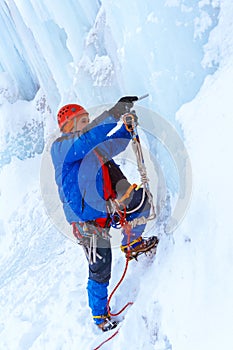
[(93, 52)]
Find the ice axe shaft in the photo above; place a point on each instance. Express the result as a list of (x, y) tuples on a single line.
[(142, 97)]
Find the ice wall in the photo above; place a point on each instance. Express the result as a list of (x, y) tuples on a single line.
[(97, 50)]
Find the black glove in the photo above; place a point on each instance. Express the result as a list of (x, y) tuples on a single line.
[(123, 106)]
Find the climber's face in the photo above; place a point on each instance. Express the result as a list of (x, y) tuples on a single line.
[(76, 124)]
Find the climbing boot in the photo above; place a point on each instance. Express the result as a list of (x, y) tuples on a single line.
[(140, 246), (107, 325)]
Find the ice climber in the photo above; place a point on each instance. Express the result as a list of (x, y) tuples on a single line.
[(88, 178)]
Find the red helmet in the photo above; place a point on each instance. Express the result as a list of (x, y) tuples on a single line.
[(68, 112)]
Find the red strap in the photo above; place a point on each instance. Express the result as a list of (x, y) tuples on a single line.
[(107, 188), (101, 221)]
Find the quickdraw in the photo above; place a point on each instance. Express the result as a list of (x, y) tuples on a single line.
[(87, 234)]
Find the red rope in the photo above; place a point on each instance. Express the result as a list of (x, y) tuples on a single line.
[(105, 341), (127, 229), (114, 290)]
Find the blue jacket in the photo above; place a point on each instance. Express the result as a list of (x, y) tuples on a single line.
[(78, 170)]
